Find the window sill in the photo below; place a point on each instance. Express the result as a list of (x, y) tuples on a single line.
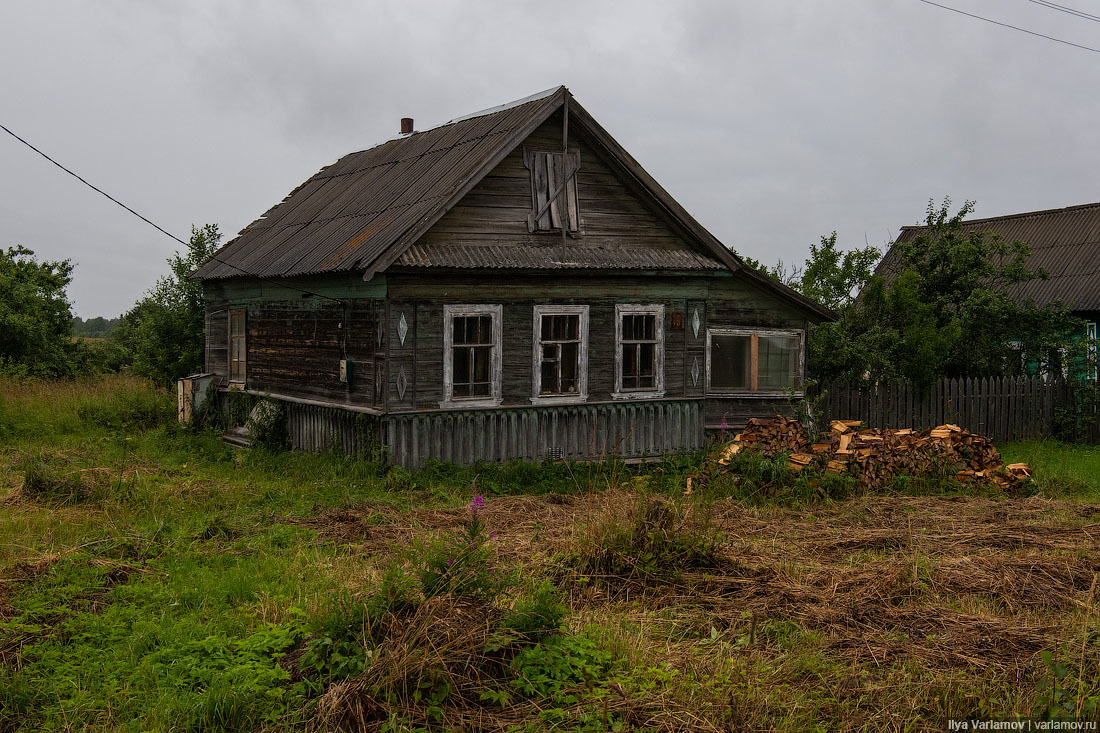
[(650, 395), (468, 404), (559, 399), (760, 394)]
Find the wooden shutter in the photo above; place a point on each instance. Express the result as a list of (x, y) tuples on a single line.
[(548, 171)]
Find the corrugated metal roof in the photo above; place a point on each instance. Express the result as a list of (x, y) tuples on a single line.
[(347, 214), (1064, 242), (555, 257), (367, 210)]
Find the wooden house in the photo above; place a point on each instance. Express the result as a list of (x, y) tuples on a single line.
[(511, 284)]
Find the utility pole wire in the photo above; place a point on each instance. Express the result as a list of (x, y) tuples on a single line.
[(94, 188), (1013, 27), (160, 229), (1066, 9)]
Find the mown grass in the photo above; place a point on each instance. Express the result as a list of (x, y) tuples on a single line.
[(155, 580)]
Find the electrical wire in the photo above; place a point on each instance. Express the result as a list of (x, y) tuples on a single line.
[(1067, 9), (160, 229), (1013, 27)]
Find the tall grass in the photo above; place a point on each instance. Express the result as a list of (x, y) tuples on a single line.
[(1064, 470), (36, 409)]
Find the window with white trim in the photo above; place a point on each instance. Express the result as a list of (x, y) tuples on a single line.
[(471, 355), (560, 361), (238, 345), (753, 360), (639, 351)]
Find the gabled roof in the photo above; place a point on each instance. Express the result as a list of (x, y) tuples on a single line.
[(1064, 242), (366, 211)]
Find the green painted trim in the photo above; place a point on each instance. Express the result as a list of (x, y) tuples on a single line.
[(341, 286)]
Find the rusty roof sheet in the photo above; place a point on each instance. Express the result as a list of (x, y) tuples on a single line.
[(555, 257), (1064, 242), (347, 214)]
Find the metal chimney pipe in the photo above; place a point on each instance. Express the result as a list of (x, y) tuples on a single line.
[(406, 125)]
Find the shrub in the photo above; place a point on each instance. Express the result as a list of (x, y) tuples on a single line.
[(651, 538), (537, 616), (43, 482), (267, 425), (461, 564)]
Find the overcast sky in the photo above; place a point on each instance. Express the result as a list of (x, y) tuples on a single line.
[(773, 123)]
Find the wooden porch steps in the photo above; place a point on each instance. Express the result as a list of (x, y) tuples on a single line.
[(237, 438)]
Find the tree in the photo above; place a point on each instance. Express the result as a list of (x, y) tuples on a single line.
[(162, 335), (945, 311), (36, 317)]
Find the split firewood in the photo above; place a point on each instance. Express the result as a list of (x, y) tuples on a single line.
[(876, 456)]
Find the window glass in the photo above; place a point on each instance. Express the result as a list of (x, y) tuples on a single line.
[(729, 361), (778, 362)]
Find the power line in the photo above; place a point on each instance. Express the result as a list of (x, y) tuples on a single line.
[(150, 223), (94, 188), (1013, 27), (1066, 9)]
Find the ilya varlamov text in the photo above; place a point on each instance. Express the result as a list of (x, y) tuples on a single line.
[(1021, 725)]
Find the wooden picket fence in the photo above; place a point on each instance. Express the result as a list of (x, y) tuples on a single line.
[(1002, 408)]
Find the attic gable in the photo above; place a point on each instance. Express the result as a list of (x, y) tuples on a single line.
[(614, 227)]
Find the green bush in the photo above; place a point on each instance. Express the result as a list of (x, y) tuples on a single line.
[(651, 538), (537, 616)]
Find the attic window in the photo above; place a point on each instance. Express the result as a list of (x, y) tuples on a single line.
[(553, 185)]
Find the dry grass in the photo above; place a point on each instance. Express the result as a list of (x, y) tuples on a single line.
[(942, 603)]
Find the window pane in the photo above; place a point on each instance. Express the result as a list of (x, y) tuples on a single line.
[(547, 322), (572, 327), (484, 330), (628, 328), (481, 389), (777, 362), (549, 378), (729, 361), (646, 363), (648, 326), (458, 330), (481, 363), (460, 366)]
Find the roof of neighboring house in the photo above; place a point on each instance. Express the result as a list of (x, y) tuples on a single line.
[(1064, 242), (366, 211)]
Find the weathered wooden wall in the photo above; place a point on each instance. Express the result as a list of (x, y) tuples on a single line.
[(721, 301)]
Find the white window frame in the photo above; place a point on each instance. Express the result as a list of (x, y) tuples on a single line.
[(582, 356), (654, 309), (758, 332), (449, 400)]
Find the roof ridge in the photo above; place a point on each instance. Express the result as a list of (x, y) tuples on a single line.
[(1021, 215)]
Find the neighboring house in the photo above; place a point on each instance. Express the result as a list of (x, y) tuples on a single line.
[(421, 297), (1064, 242)]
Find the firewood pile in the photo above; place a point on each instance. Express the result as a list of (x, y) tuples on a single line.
[(877, 456)]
